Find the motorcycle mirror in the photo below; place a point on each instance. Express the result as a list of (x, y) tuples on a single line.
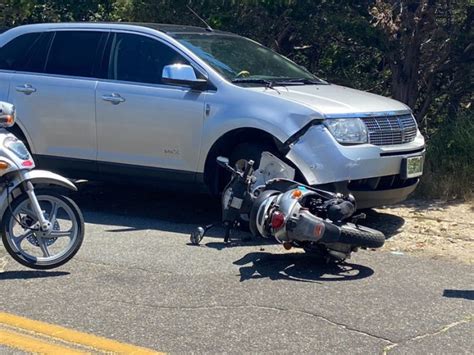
[(222, 161)]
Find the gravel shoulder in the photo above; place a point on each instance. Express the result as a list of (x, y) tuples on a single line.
[(434, 229)]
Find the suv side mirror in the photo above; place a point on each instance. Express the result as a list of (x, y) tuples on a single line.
[(182, 74)]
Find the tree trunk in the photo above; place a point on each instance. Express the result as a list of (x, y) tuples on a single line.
[(404, 59)]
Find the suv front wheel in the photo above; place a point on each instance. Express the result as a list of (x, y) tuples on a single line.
[(249, 151)]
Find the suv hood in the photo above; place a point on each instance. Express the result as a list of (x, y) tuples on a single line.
[(334, 100)]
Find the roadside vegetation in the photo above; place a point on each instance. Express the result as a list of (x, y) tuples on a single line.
[(417, 51), (449, 171)]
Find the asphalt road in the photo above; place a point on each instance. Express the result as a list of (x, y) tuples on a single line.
[(136, 280)]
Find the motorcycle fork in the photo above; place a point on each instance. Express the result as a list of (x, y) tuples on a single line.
[(44, 224)]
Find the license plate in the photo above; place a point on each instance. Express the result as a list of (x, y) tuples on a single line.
[(412, 167)]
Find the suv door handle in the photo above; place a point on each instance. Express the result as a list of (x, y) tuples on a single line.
[(26, 89), (115, 98)]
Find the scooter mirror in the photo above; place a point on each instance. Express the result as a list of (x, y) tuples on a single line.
[(7, 114), (223, 161)]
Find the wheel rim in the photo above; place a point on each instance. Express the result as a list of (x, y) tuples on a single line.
[(43, 248)]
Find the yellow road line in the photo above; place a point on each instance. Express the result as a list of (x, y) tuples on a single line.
[(71, 336), (27, 343)]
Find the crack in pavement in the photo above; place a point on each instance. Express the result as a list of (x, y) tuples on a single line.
[(391, 343), (271, 308), (123, 267), (444, 329), (3, 263)]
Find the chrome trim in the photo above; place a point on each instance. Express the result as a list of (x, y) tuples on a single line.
[(391, 130), (368, 114), (114, 98), (179, 72)]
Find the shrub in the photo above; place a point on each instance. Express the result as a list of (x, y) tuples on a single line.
[(449, 167)]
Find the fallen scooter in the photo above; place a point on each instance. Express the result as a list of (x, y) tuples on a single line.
[(41, 228), (295, 214)]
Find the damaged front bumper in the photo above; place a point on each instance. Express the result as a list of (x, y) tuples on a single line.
[(372, 173)]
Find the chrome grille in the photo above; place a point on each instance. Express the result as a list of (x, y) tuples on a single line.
[(390, 130)]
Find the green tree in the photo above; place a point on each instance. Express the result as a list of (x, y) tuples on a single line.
[(420, 52), (19, 12), (428, 48)]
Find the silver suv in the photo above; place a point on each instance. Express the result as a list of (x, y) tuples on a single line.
[(157, 101)]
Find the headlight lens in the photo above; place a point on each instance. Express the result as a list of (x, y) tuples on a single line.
[(17, 147), (347, 130)]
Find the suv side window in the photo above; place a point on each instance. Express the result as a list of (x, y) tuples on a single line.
[(36, 58), (140, 59), (14, 54), (74, 53)]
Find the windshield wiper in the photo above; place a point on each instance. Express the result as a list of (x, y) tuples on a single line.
[(268, 83), (304, 81)]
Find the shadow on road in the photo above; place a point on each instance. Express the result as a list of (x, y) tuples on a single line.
[(23, 275), (249, 241), (126, 208), (131, 207), (466, 294), (387, 223), (297, 267), (214, 239)]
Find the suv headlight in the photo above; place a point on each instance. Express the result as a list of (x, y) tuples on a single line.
[(347, 130)]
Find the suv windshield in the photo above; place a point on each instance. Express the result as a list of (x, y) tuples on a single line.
[(241, 60)]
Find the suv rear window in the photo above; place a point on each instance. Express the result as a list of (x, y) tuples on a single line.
[(74, 53), (14, 54)]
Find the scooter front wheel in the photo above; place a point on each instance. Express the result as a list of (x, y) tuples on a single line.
[(28, 244), (361, 236)]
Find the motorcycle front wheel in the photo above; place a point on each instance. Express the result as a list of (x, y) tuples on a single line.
[(35, 249)]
